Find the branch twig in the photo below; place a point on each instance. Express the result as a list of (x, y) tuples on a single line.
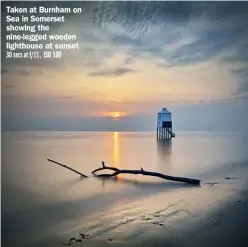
[(82, 175), (117, 171)]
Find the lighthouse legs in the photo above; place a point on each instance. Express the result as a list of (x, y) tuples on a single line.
[(164, 133)]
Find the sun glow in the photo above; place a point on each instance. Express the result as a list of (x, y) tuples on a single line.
[(116, 114)]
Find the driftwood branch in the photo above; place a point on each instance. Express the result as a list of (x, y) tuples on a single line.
[(67, 167), (117, 171)]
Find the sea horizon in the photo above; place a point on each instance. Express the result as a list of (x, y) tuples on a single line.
[(127, 131)]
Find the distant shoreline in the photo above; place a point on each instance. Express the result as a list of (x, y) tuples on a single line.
[(131, 131)]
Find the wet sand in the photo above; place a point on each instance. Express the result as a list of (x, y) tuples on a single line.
[(212, 215), (226, 226)]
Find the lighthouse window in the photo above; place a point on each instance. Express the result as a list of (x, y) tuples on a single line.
[(166, 124)]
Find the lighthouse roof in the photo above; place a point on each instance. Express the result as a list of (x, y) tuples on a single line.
[(164, 110)]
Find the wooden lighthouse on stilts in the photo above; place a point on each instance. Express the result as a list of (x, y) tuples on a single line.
[(164, 125)]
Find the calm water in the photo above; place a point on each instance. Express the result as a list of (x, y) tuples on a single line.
[(40, 199)]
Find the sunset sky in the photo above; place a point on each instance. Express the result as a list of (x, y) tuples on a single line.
[(134, 59)]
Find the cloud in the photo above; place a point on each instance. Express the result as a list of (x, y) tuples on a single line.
[(151, 29), (115, 72), (242, 71), (17, 71), (121, 38), (242, 90), (8, 86)]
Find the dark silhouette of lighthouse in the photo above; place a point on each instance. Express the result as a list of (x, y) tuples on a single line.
[(164, 125)]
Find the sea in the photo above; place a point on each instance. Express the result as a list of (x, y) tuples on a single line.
[(44, 203)]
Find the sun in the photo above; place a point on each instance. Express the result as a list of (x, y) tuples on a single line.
[(116, 114)]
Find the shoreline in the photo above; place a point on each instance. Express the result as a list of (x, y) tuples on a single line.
[(222, 222), (227, 226), (213, 215)]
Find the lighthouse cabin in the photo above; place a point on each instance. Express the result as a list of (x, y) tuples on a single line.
[(164, 125)]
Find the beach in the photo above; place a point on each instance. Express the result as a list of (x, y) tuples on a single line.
[(225, 226), (46, 205), (219, 220)]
